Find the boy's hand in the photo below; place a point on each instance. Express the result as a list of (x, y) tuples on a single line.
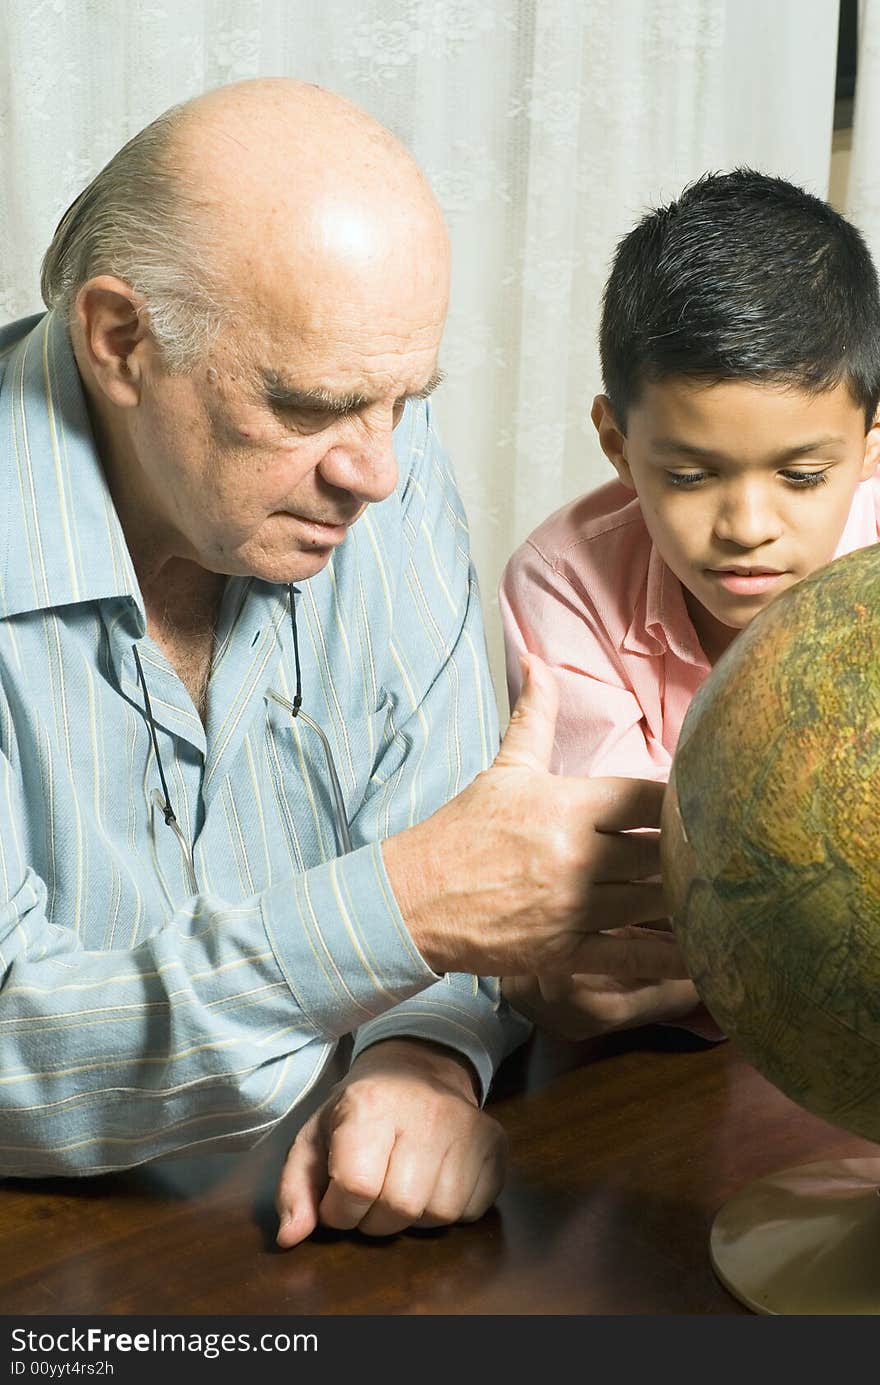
[(399, 1142), (586, 1005)]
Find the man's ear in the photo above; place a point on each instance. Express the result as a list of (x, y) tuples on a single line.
[(872, 450), (611, 440), (115, 335)]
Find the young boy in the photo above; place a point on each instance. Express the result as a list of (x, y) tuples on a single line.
[(740, 347)]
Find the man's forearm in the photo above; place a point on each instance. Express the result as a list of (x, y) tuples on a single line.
[(113, 1058)]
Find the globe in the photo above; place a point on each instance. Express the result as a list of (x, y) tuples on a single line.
[(771, 842)]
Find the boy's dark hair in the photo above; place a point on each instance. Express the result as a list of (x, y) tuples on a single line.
[(744, 277)]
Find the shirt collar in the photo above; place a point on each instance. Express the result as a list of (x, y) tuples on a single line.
[(661, 621), (860, 529), (60, 537)]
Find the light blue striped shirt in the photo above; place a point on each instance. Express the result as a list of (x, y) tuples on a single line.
[(136, 1019)]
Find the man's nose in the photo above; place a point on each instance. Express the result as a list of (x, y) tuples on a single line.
[(747, 517), (363, 463)]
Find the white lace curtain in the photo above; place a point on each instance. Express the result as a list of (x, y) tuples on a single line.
[(863, 191), (546, 127)]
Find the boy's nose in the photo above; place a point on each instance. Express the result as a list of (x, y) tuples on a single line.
[(747, 518)]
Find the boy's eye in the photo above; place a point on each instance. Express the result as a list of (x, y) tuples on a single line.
[(800, 479), (683, 479), (803, 479)]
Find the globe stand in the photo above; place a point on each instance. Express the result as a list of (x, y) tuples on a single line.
[(804, 1241)]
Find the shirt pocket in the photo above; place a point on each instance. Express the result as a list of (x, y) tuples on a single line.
[(302, 779)]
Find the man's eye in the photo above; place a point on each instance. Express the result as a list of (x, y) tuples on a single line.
[(683, 479), (309, 420)]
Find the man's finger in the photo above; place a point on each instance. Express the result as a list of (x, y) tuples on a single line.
[(529, 738), (615, 904), (301, 1186), (357, 1162), (412, 1173), (471, 1175), (625, 856), (620, 805), (487, 1187), (644, 959)]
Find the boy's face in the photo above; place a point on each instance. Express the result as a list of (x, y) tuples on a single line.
[(745, 488)]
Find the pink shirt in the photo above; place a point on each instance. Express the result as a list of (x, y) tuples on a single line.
[(590, 594)]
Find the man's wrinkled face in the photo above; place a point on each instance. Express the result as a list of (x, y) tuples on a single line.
[(259, 460)]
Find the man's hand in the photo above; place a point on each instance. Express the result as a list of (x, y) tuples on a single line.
[(583, 1006), (400, 1142), (526, 872)]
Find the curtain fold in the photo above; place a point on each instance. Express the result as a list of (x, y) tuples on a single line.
[(546, 126)]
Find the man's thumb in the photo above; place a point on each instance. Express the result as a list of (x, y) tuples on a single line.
[(529, 737)]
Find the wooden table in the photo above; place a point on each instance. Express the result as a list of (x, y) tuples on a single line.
[(622, 1151)]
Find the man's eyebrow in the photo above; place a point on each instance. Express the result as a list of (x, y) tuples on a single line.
[(285, 395), (436, 379), (678, 448)]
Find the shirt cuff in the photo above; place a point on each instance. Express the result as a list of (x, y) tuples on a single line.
[(341, 942), (459, 1013)]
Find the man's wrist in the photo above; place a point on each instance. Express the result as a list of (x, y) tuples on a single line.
[(425, 1057), (408, 865)]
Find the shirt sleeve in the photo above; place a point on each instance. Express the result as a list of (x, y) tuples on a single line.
[(445, 730), (203, 1035), (600, 729)]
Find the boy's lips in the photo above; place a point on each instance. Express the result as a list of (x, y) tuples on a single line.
[(746, 581)]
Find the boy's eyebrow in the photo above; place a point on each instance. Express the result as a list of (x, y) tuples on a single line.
[(679, 448), (285, 395)]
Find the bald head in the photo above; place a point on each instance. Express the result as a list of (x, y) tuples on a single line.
[(241, 200), (296, 143), (291, 174)]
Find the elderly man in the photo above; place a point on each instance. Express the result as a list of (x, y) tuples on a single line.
[(244, 702)]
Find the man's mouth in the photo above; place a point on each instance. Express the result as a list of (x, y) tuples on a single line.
[(321, 531)]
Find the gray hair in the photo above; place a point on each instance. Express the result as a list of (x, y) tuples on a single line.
[(135, 222)]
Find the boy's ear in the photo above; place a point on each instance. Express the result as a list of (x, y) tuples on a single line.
[(611, 439), (872, 450)]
